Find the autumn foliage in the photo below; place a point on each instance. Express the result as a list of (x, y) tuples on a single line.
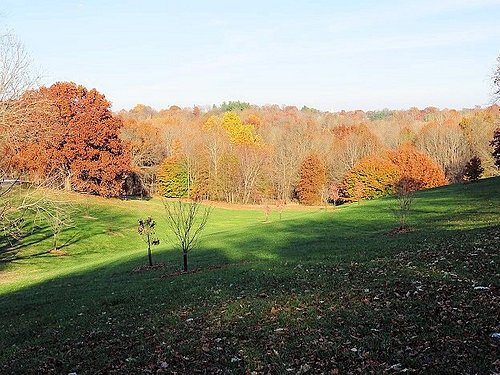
[(81, 146), (417, 166), (312, 180), (237, 152), (173, 178), (377, 176), (371, 177)]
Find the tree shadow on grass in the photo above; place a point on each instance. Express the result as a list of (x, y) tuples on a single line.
[(112, 300), (108, 303), (35, 240)]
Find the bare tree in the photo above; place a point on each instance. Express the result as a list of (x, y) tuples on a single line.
[(496, 82), (447, 146), (251, 162), (48, 208), (290, 146), (32, 205), (17, 201), (186, 221), (15, 79), (349, 145), (15, 69), (58, 216), (9, 215)]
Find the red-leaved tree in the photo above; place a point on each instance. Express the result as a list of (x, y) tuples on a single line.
[(83, 147)]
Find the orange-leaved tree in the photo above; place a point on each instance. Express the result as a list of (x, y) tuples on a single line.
[(376, 175), (416, 165), (312, 180), (83, 144)]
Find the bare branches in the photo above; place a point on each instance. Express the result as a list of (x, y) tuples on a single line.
[(496, 82), (9, 215), (15, 69), (186, 221), (405, 191), (24, 205)]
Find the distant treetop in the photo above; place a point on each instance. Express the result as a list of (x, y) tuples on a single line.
[(379, 115), (233, 106)]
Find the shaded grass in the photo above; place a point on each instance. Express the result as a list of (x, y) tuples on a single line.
[(310, 287)]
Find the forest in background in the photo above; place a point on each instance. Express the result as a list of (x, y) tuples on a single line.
[(67, 136), (240, 153)]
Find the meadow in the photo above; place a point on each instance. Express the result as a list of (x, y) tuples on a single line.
[(312, 290)]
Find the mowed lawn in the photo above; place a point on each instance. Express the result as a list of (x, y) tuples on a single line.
[(321, 290)]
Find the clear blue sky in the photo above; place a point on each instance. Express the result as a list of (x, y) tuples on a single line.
[(325, 54)]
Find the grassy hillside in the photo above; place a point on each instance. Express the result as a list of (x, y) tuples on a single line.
[(319, 289)]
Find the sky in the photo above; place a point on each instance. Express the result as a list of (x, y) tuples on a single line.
[(325, 54)]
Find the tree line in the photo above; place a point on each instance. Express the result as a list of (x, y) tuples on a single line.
[(235, 152), (238, 153), (248, 154)]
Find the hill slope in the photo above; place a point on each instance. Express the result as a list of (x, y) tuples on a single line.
[(316, 290)]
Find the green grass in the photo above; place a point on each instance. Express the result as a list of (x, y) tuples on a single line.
[(320, 289)]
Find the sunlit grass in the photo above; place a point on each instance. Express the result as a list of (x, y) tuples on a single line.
[(245, 265)]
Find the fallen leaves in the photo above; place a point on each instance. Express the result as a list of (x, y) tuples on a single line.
[(431, 309)]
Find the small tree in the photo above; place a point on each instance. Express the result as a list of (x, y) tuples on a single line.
[(147, 231), (334, 193), (267, 211), (58, 217), (405, 189), (186, 221), (473, 169), (280, 205)]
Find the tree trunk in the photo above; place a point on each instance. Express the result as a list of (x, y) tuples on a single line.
[(67, 182), (149, 252), (185, 261)]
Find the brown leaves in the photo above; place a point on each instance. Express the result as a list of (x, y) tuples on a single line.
[(312, 180), (417, 166), (430, 308), (275, 310), (81, 145)]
